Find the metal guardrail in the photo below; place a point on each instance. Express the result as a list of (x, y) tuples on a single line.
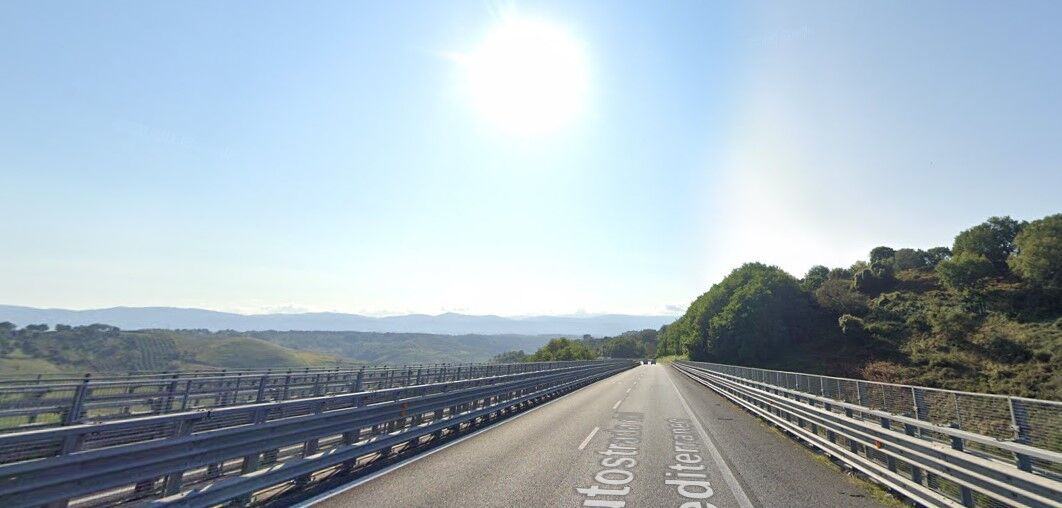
[(38, 403), (252, 452), (936, 447)]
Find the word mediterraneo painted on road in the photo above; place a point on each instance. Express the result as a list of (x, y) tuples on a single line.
[(688, 473)]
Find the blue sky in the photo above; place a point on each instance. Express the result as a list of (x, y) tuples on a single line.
[(255, 157)]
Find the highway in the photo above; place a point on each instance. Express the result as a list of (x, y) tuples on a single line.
[(649, 436)]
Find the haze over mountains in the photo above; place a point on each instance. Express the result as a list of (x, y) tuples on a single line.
[(134, 318)]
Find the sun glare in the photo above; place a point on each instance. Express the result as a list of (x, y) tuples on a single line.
[(527, 76)]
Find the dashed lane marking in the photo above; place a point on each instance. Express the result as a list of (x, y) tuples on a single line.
[(618, 402), (588, 438)]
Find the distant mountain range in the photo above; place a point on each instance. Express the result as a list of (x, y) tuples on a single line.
[(135, 318)]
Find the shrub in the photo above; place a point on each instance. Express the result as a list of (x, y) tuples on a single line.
[(879, 277), (965, 271), (1038, 254), (852, 326), (953, 322), (837, 296)]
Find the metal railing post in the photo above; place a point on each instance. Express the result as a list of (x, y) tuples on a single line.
[(966, 495), (73, 415), (1019, 420)]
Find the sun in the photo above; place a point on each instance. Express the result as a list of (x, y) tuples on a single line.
[(527, 76)]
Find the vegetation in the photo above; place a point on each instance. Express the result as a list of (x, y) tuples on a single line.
[(632, 344), (511, 357), (984, 315), (562, 350), (1036, 258), (105, 348), (404, 348)]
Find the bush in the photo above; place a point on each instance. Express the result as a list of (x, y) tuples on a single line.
[(852, 326), (876, 279), (953, 322), (993, 239), (1038, 254), (965, 271)]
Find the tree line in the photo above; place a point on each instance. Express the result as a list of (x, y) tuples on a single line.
[(983, 313)]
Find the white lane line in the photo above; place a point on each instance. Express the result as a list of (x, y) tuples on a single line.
[(332, 493), (628, 390), (588, 438), (614, 406), (728, 475)]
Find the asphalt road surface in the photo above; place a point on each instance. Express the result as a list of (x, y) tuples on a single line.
[(649, 436)]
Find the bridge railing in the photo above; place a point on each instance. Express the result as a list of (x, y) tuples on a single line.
[(256, 452), (937, 447), (40, 403)]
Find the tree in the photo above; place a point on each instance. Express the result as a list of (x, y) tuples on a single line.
[(965, 271), (840, 274), (755, 312), (562, 350), (993, 239), (510, 357), (935, 255), (623, 347), (814, 278), (7, 326), (36, 328), (1038, 254), (881, 254), (910, 259)]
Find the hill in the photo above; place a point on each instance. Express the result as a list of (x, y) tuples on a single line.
[(104, 348), (984, 315), (400, 348), (137, 318)]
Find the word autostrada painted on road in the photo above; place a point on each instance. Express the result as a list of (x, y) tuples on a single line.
[(612, 483), (688, 474)]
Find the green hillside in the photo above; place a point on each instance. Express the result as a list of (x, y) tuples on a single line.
[(984, 315), (103, 348), (402, 348)]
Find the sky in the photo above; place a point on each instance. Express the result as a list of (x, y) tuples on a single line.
[(509, 158)]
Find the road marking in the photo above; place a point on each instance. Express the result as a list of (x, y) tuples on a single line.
[(618, 402), (628, 390), (339, 490), (728, 475), (588, 438)]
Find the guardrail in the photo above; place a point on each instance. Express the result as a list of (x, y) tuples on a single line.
[(936, 447), (255, 452), (37, 403)]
